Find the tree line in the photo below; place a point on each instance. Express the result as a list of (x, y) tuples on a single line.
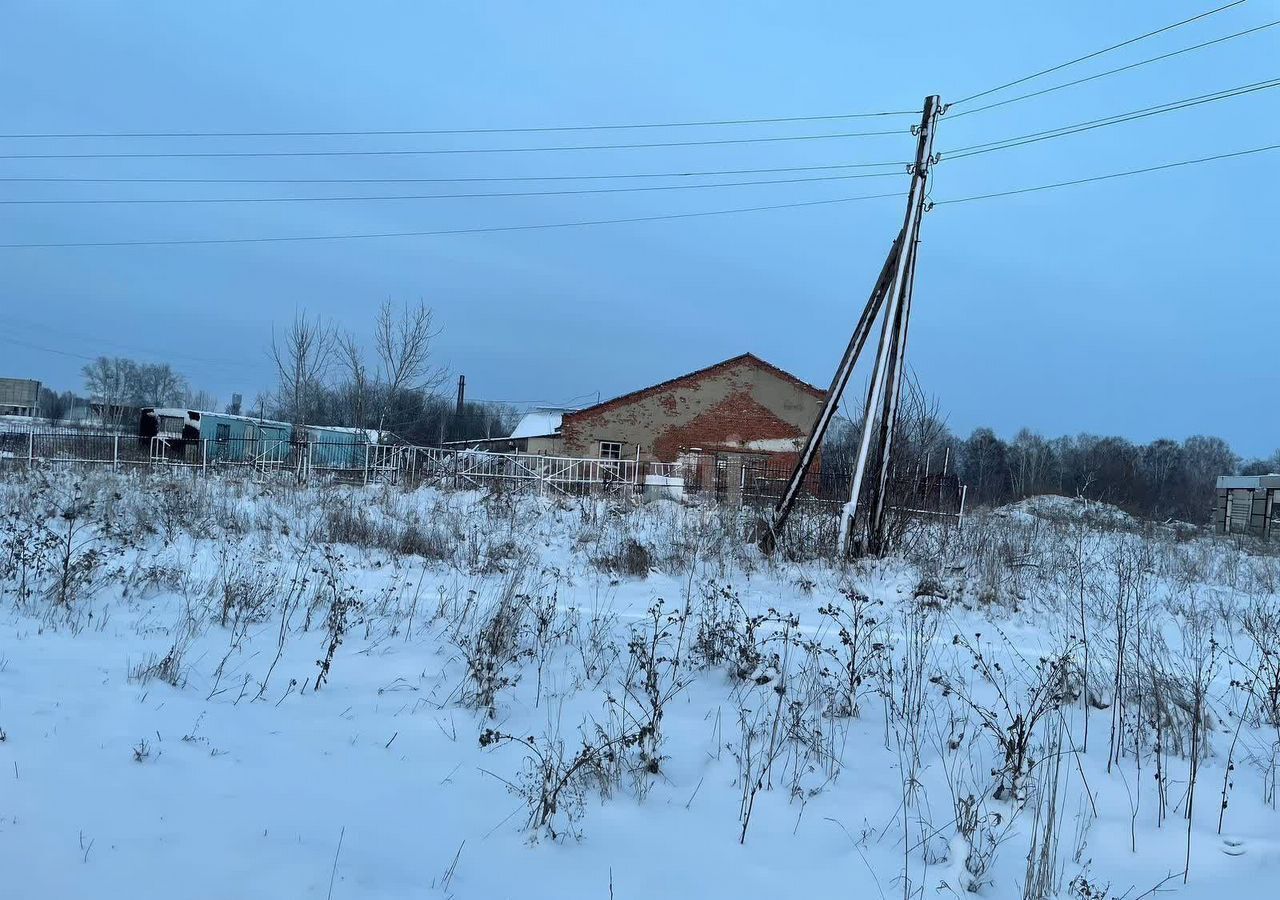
[(391, 384), (1163, 479)]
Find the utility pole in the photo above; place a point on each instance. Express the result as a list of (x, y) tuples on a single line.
[(893, 286), (457, 410), (876, 543), (892, 342), (831, 406)]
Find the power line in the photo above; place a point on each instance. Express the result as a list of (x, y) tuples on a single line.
[(448, 131), (222, 367), (450, 231), (1163, 56), (1125, 174), (1087, 56), (624, 190), (491, 178), (1118, 119), (464, 180), (450, 151), (30, 346)]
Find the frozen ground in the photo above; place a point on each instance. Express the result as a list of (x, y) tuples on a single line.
[(535, 699)]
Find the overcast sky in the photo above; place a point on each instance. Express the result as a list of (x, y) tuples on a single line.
[(1144, 306)]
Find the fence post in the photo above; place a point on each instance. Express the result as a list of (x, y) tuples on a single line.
[(204, 457), (31, 448), (366, 463), (115, 454), (455, 469), (964, 492), (311, 460)]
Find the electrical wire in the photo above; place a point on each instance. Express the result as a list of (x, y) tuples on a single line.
[(1096, 53), (1118, 119), (441, 232), (453, 151), (557, 193), (465, 180), (451, 131), (222, 367), (15, 341), (1125, 174), (1163, 56)]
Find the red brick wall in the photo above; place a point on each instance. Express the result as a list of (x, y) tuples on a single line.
[(742, 408)]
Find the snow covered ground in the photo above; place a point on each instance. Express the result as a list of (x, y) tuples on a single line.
[(218, 689)]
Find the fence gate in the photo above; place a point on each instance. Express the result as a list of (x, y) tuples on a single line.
[(384, 462)]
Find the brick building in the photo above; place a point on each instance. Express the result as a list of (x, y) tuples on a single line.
[(742, 409)]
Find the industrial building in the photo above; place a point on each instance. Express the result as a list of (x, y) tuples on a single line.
[(19, 397)]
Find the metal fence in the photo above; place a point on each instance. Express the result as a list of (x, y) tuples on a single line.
[(727, 479), (259, 456)]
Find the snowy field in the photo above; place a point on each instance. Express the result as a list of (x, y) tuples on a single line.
[(216, 689)]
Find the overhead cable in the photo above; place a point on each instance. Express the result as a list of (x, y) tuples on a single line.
[(406, 132), (1096, 53), (441, 232), (1094, 77), (441, 151), (1118, 119), (489, 194), (686, 173), (1124, 174)]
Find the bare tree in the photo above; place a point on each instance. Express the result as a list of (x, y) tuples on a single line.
[(357, 389), (55, 406), (922, 432), (1031, 461), (201, 400), (156, 384), (402, 341), (302, 355), (110, 382)]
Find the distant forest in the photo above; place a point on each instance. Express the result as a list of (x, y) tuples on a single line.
[(1164, 479)]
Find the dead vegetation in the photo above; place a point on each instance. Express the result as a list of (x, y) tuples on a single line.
[(508, 600)]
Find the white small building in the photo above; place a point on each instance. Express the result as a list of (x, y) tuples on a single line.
[(537, 432), (1248, 504)]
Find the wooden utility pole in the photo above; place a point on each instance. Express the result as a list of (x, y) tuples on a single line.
[(893, 338), (894, 284), (831, 406)]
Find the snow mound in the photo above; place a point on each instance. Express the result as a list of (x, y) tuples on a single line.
[(1056, 508)]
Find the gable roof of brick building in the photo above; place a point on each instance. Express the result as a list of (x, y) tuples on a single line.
[(747, 358)]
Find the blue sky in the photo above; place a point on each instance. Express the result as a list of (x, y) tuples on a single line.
[(1145, 306)]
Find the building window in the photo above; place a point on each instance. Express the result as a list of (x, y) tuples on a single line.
[(224, 433), (610, 450)]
